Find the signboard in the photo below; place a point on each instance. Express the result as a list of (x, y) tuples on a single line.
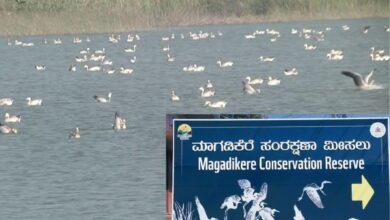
[(280, 169)]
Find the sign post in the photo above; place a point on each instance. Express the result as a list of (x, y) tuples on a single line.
[(280, 169)]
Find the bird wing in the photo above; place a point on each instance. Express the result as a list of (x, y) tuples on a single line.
[(263, 192), (315, 197), (201, 211), (367, 78), (244, 183), (357, 78)]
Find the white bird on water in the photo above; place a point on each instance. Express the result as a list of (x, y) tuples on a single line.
[(298, 214), (40, 67), (119, 123), (6, 101), (218, 104), (311, 191), (4, 129), (12, 118), (201, 211), (225, 64), (230, 202), (248, 89), (273, 81), (362, 83), (206, 94), (254, 81), (33, 102), (103, 99), (75, 134), (209, 85), (174, 97)]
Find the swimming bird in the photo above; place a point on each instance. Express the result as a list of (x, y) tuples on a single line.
[(75, 134), (174, 97), (133, 60), (109, 71), (206, 93), (119, 123), (225, 64), (33, 102), (166, 48), (218, 104), (125, 71), (4, 129), (254, 81), (273, 81), (11, 118), (230, 202), (365, 29), (170, 58), (201, 211), (209, 85), (6, 101), (266, 59), (131, 50), (93, 68), (362, 83), (40, 67), (72, 68), (311, 191), (248, 89), (103, 99), (310, 47), (291, 72), (298, 214)]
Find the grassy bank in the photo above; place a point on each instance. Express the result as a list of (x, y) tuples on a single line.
[(40, 17)]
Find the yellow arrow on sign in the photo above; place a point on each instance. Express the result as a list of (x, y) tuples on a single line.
[(362, 192)]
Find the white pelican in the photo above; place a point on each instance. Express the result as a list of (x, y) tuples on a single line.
[(131, 50), (85, 51), (201, 211), (75, 134), (254, 81), (362, 83), (345, 27), (311, 191), (206, 93), (248, 89), (57, 41), (310, 47), (119, 123), (298, 214), (72, 68), (266, 59), (100, 52), (110, 71), (107, 62), (218, 104), (6, 101), (273, 82), (225, 64), (40, 67), (230, 202), (209, 85), (81, 59), (103, 99), (133, 60), (166, 48), (12, 118), (4, 129), (174, 97), (125, 71), (170, 58), (291, 72), (33, 102), (93, 68)]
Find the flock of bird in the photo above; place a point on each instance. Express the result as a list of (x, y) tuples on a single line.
[(97, 60), (258, 209)]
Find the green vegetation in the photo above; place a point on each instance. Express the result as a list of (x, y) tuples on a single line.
[(31, 17)]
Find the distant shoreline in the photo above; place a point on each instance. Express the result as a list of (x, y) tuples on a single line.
[(14, 25)]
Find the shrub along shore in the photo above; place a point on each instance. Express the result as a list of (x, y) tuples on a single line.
[(36, 17)]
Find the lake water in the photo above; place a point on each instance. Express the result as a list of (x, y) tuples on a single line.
[(121, 175)]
